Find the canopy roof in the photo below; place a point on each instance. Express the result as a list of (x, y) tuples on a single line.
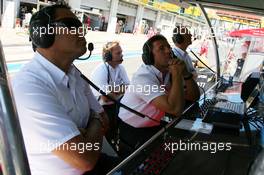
[(249, 6), (247, 32)]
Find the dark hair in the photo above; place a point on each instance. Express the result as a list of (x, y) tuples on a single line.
[(155, 38), (147, 55), (176, 36), (50, 11), (43, 18)]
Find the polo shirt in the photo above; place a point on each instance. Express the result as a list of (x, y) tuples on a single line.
[(146, 84), (51, 107), (106, 78)]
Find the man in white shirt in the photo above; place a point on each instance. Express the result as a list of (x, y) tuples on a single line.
[(156, 88), (111, 77), (182, 38), (62, 123)]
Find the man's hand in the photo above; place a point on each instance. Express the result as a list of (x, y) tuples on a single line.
[(177, 67)]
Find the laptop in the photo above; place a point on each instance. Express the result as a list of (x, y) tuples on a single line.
[(238, 108)]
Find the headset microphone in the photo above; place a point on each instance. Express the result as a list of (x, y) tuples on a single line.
[(90, 48), (121, 60), (118, 60)]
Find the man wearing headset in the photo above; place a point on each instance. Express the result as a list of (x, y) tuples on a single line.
[(111, 77), (160, 85), (182, 38), (62, 123)]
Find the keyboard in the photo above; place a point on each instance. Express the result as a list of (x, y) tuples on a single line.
[(207, 105), (238, 108)]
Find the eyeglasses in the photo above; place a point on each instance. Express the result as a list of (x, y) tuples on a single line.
[(70, 23)]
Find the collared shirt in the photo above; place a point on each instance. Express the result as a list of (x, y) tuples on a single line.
[(51, 106), (146, 84), (183, 55), (108, 78)]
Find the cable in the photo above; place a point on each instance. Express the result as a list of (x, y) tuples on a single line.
[(203, 93), (116, 101), (202, 62)]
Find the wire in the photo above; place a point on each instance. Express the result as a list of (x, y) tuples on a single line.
[(203, 62), (203, 93), (116, 101)]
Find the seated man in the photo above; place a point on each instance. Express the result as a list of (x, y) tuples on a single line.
[(112, 78), (62, 123), (182, 38), (152, 93)]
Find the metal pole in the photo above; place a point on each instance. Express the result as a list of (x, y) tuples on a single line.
[(17, 8), (213, 39), (14, 150)]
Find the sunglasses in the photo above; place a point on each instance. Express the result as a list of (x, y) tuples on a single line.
[(70, 23)]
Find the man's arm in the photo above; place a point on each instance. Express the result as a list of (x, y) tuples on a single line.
[(92, 136), (192, 92), (173, 103)]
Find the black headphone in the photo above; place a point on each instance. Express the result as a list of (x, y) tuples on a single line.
[(177, 37), (39, 21), (43, 20), (147, 55), (108, 56)]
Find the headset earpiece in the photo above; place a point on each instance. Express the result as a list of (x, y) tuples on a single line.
[(108, 56), (147, 55), (39, 27), (44, 40)]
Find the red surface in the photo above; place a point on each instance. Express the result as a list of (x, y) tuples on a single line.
[(247, 32)]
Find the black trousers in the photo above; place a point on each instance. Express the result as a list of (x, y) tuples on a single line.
[(135, 137), (112, 113)]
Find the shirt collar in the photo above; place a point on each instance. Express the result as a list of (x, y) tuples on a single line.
[(158, 73), (56, 73), (179, 50), (111, 68)]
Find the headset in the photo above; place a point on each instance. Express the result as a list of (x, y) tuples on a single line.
[(107, 56), (147, 55), (40, 20), (44, 19), (177, 37)]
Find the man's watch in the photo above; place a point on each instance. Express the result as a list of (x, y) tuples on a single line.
[(100, 120), (98, 117), (188, 77)]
